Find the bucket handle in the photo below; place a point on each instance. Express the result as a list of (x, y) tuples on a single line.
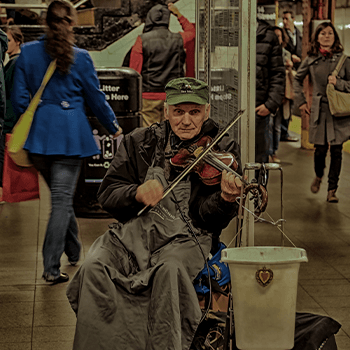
[(303, 256)]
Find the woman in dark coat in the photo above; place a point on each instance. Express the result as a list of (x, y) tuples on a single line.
[(325, 130), (15, 40)]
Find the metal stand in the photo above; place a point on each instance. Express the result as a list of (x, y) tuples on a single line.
[(265, 167)]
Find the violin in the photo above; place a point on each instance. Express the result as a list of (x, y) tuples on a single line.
[(202, 155), (211, 165)]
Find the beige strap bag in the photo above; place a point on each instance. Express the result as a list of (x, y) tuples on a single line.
[(339, 102)]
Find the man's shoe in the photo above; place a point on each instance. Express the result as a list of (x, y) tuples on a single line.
[(290, 139), (331, 197), (275, 159), (315, 186), (63, 277)]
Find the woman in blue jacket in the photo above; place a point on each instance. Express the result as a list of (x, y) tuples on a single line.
[(60, 136)]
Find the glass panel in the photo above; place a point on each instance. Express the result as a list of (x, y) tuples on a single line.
[(218, 61)]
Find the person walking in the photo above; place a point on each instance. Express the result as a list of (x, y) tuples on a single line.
[(3, 49), (60, 135), (325, 131), (159, 56), (283, 112)]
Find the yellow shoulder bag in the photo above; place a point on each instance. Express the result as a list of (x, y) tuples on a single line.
[(21, 129)]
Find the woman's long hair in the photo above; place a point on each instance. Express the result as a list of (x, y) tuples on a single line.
[(315, 45), (60, 37)]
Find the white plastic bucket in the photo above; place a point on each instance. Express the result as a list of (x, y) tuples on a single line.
[(264, 292)]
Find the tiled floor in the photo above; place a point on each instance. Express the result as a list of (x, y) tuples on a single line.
[(36, 316)]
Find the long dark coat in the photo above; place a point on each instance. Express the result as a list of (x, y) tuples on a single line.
[(270, 71), (134, 290), (323, 127)]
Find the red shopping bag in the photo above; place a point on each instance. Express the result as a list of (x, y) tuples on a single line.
[(19, 184)]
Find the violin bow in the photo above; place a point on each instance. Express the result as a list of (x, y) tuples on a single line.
[(205, 151)]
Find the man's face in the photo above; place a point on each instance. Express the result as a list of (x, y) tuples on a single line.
[(288, 21), (186, 119)]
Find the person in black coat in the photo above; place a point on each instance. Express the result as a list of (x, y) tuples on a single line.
[(294, 46), (270, 83), (3, 49), (135, 288)]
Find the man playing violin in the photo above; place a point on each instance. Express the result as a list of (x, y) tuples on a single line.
[(134, 290)]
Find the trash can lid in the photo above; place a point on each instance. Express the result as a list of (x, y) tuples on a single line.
[(120, 72)]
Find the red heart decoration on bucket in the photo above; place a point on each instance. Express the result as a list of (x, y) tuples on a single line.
[(264, 276)]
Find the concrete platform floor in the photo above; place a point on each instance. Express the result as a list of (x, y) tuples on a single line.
[(37, 316)]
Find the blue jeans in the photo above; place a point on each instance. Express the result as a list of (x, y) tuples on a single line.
[(275, 131), (285, 122), (61, 175)]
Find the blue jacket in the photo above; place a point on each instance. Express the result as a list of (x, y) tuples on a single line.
[(60, 125)]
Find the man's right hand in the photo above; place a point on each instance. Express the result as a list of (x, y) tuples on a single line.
[(296, 59), (119, 132), (172, 8), (262, 110), (149, 193)]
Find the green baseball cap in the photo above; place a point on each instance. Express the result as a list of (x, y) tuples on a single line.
[(183, 90)]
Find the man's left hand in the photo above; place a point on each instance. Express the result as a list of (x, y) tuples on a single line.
[(230, 186)]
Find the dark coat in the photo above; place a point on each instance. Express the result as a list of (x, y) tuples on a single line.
[(295, 49), (270, 71), (163, 51), (128, 169), (163, 58), (135, 287), (323, 127), (3, 49), (9, 71)]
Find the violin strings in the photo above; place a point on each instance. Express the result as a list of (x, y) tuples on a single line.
[(272, 222)]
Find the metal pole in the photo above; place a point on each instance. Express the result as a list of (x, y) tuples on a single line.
[(24, 6), (196, 42), (247, 59)]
